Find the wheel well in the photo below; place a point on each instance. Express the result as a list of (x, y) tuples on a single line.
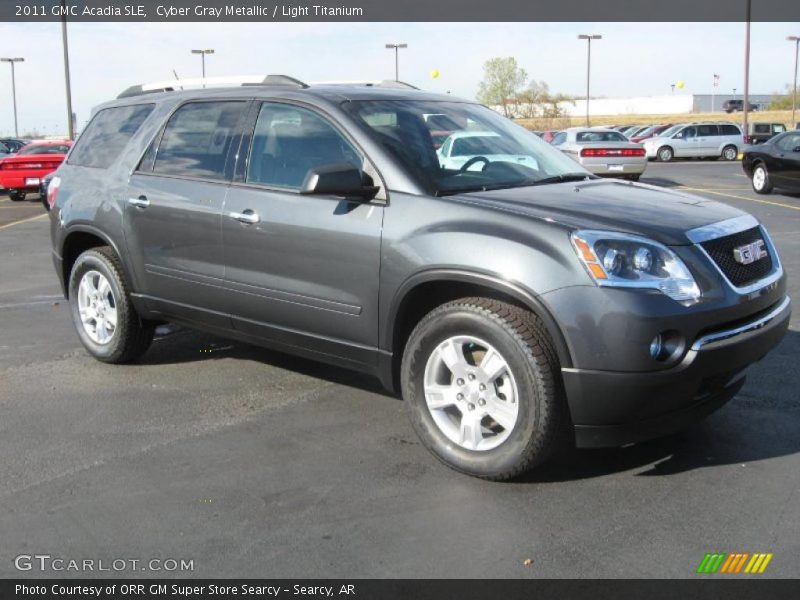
[(76, 244), (425, 297)]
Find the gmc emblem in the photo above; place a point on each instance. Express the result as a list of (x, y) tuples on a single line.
[(750, 253)]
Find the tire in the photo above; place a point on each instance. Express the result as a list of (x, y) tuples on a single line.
[(760, 179), (633, 177), (531, 381), (665, 154), (16, 195), (131, 336), (729, 153)]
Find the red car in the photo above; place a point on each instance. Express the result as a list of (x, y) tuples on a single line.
[(649, 132), (22, 172)]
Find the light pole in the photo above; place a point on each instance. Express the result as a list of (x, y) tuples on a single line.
[(11, 61), (588, 37), (714, 87), (734, 93), (396, 48), (746, 97), (202, 54), (796, 40), (65, 45)]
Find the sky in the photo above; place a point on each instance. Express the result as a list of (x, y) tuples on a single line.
[(632, 59)]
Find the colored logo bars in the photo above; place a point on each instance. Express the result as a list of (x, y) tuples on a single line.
[(736, 562)]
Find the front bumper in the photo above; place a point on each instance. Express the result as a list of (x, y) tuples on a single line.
[(611, 408)]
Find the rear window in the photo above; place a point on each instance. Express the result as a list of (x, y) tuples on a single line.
[(599, 136), (730, 130), (107, 134), (44, 149)]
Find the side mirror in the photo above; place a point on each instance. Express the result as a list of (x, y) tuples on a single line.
[(339, 180)]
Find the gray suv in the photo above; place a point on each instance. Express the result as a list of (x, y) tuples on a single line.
[(696, 140), (516, 306)]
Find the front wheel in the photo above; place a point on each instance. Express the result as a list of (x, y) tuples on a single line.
[(665, 154), (104, 317), (761, 181), (482, 384), (729, 153)]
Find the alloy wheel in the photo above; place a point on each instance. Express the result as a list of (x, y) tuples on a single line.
[(97, 307)]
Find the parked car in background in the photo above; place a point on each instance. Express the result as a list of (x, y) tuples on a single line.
[(441, 126), (549, 134), (696, 140), (22, 173), (758, 133), (4, 150), (633, 132), (774, 164), (14, 144), (476, 150), (730, 106), (603, 152), (649, 132)]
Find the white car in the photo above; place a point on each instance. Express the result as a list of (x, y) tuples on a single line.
[(696, 140), (473, 150), (602, 151)]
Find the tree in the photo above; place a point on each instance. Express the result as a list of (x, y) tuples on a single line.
[(502, 79), (782, 101), (538, 102)]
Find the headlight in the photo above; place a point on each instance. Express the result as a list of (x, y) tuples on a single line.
[(623, 260)]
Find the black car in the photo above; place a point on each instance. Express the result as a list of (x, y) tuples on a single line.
[(515, 305), (730, 106), (775, 163), (14, 144)]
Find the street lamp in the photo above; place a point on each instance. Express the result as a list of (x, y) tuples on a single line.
[(796, 40), (202, 54), (67, 81), (11, 61), (396, 48), (588, 37)]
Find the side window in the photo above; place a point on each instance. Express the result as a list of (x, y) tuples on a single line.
[(198, 138), (289, 141), (779, 128), (789, 142), (730, 130), (707, 130), (559, 138), (446, 146), (107, 135)]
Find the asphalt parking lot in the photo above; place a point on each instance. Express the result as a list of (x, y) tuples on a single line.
[(251, 463)]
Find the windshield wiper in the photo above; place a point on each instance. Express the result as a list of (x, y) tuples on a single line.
[(563, 178)]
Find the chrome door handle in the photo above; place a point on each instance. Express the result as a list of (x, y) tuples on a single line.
[(141, 202), (247, 216)]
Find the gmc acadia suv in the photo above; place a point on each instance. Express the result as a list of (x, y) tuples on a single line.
[(511, 302)]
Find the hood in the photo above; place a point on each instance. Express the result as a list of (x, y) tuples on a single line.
[(657, 213)]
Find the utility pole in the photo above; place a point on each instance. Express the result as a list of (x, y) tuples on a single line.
[(588, 37), (796, 40), (746, 102), (396, 48), (11, 61)]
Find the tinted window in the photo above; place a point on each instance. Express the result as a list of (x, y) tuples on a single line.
[(4, 148), (107, 135), (730, 130), (559, 138), (481, 144), (289, 141), (707, 130), (44, 149), (600, 136), (197, 140), (789, 142)]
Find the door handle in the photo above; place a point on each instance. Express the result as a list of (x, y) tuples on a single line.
[(140, 202), (247, 216)]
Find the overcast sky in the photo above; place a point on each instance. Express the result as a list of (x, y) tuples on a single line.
[(632, 59)]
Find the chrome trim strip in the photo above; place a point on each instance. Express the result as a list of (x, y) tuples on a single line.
[(722, 229), (752, 326)]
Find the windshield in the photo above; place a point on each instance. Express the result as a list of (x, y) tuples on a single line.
[(43, 149), (670, 130), (482, 151)]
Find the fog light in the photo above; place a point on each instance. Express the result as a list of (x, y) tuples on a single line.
[(667, 345)]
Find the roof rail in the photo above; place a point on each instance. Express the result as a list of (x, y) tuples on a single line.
[(172, 84), (385, 83)]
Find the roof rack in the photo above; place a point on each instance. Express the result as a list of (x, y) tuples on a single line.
[(173, 84), (384, 83)]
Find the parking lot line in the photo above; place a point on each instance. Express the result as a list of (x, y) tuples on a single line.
[(7, 225), (718, 193)]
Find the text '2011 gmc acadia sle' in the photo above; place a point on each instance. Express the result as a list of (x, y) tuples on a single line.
[(512, 298)]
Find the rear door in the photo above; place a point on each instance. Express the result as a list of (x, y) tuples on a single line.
[(173, 211), (301, 270), (707, 141)]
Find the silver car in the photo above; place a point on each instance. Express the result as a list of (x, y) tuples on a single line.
[(603, 151), (696, 140)]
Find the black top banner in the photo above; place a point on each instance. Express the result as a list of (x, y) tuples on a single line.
[(400, 10)]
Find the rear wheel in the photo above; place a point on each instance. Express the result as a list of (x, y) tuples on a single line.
[(761, 181), (729, 153), (481, 382), (665, 154), (633, 177), (16, 195), (102, 312)]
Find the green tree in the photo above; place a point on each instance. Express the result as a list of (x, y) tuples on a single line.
[(782, 101), (502, 79)]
